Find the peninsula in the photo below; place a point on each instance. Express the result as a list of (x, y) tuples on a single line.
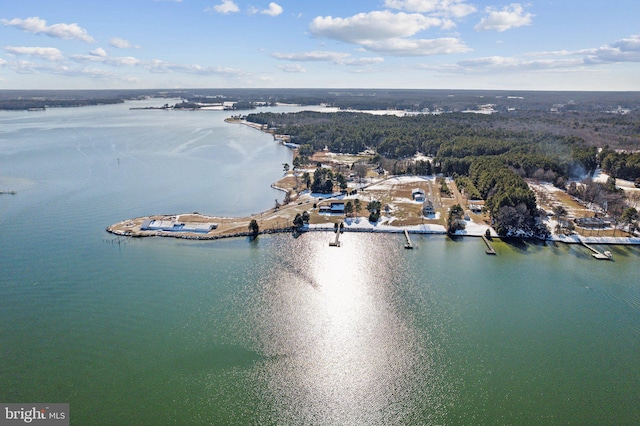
[(513, 167), (415, 203)]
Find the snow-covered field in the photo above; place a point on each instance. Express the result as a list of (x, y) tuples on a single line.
[(627, 185), (388, 184)]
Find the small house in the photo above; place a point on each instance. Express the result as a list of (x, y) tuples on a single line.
[(333, 208), (476, 207)]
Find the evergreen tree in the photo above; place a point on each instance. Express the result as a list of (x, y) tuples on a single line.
[(253, 227), (348, 208), (454, 219)]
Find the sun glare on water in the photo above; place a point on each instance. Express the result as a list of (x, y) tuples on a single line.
[(344, 350)]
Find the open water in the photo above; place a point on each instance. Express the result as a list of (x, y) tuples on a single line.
[(280, 330)]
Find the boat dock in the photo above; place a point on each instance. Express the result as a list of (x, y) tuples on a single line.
[(408, 244), (335, 243), (490, 249), (597, 254)]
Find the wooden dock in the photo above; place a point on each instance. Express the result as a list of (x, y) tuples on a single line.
[(490, 249), (408, 244), (335, 243), (597, 254)]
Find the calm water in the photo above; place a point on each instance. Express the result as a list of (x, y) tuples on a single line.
[(280, 330)]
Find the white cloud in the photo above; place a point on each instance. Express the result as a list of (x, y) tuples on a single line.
[(338, 58), (377, 25), (87, 72), (512, 16), (100, 52), (26, 67), (156, 65), (503, 64), (453, 8), (419, 47), (621, 51), (388, 33), (293, 68), (100, 56), (47, 53), (121, 43), (39, 26), (362, 61), (159, 66), (313, 56), (227, 6), (274, 9), (625, 50)]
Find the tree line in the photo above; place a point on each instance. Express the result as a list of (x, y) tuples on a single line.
[(623, 165), (26, 104)]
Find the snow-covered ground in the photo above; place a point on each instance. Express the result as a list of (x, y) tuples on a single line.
[(627, 185), (476, 229), (385, 225), (575, 239), (388, 184), (363, 224)]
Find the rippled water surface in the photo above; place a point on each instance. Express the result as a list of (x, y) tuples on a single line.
[(280, 330)]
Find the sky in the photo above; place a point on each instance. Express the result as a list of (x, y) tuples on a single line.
[(408, 44)]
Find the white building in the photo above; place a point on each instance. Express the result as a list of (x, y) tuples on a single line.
[(418, 195), (173, 226)]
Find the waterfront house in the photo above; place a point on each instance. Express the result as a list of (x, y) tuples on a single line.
[(427, 208), (593, 222), (333, 208)]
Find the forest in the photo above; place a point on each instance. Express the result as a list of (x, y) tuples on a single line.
[(452, 140), (623, 165)]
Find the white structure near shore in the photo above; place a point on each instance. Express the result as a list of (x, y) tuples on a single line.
[(174, 226)]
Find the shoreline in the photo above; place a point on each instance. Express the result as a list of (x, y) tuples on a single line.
[(231, 229)]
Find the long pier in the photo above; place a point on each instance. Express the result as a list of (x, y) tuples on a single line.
[(597, 254), (490, 249), (408, 244), (335, 243)]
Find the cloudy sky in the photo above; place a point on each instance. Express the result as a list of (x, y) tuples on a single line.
[(429, 44)]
